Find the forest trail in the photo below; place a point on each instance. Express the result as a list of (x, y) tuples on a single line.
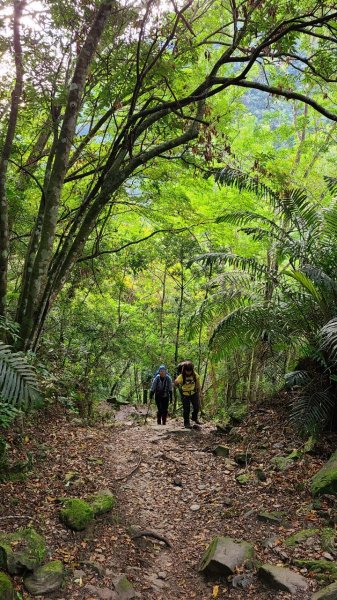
[(167, 481)]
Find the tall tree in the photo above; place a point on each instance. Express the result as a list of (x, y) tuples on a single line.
[(132, 88)]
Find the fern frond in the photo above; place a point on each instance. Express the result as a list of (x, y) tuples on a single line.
[(250, 265), (18, 385), (331, 183), (297, 378), (242, 182), (311, 410), (328, 335)]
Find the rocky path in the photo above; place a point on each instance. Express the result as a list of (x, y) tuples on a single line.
[(170, 484)]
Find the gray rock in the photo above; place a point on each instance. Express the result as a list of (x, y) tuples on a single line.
[(223, 556), (281, 578), (221, 451), (45, 579), (195, 507), (101, 593), (327, 593), (124, 588), (274, 517)]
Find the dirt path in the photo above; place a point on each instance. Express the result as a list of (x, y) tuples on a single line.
[(167, 481)]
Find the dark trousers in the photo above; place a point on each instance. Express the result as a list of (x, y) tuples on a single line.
[(162, 403), (187, 401)]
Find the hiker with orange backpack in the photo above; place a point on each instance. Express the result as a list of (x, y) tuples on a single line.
[(188, 383)]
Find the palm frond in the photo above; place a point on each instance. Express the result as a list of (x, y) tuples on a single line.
[(297, 378), (18, 385), (328, 335), (242, 182), (311, 410), (331, 183), (306, 283), (250, 265)]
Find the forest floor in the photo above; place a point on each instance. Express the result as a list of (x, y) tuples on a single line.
[(168, 481)]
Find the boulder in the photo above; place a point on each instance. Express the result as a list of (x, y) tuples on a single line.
[(221, 451), (327, 593), (45, 579), (235, 434), (325, 481), (6, 587), (224, 555), (103, 502), (76, 514), (124, 588), (21, 551), (326, 537), (281, 578)]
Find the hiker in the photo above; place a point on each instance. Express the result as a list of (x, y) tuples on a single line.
[(161, 389), (188, 383)]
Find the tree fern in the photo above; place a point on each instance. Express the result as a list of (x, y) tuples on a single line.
[(18, 385)]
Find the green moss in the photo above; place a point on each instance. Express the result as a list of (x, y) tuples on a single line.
[(281, 463), (123, 586), (237, 412), (21, 551), (54, 566), (325, 481), (6, 588), (103, 502), (208, 554), (243, 479), (327, 536), (76, 514), (45, 579), (301, 536), (321, 569)]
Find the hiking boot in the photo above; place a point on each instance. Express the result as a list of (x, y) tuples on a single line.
[(158, 420), (164, 420), (197, 422), (187, 425)]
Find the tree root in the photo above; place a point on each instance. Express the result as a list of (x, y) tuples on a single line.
[(153, 534)]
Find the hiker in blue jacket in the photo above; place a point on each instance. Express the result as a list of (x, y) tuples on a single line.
[(161, 389)]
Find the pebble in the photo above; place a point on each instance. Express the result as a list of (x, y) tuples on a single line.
[(195, 507), (327, 555), (162, 574)]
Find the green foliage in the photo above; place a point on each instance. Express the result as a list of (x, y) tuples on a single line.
[(18, 384)]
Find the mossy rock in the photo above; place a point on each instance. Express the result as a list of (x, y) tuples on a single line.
[(274, 517), (124, 588), (301, 536), (6, 588), (224, 555), (21, 551), (243, 458), (325, 481), (281, 463), (76, 514), (324, 570), (45, 579), (103, 502), (327, 593), (221, 451)]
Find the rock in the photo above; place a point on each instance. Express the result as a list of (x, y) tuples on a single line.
[(281, 463), (124, 588), (243, 458), (6, 587), (237, 412), (228, 501), (195, 507), (230, 464), (177, 482), (327, 593), (223, 556), (45, 579), (76, 514), (101, 593), (162, 575), (221, 451), (241, 580), (317, 567), (21, 551), (103, 502), (281, 578), (273, 517), (301, 536), (325, 481), (278, 445)]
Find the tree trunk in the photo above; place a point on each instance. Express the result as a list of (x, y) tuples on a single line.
[(5, 155)]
